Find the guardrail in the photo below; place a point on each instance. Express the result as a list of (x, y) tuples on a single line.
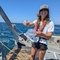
[(4, 49)]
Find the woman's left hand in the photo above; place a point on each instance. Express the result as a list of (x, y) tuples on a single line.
[(39, 33)]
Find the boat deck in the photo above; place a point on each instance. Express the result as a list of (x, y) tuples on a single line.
[(53, 52), (24, 54)]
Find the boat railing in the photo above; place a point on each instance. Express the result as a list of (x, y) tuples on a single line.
[(4, 50)]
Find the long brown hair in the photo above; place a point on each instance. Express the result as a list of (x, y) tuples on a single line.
[(39, 17), (39, 20)]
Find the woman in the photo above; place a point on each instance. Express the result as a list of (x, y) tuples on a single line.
[(43, 29)]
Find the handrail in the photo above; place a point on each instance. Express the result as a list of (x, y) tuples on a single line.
[(9, 49), (4, 45)]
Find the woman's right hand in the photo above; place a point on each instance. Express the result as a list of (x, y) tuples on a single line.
[(26, 23)]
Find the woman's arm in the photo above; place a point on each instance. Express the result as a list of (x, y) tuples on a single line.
[(47, 36), (50, 31), (30, 24)]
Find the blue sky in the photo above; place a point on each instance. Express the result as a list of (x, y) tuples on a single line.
[(20, 10)]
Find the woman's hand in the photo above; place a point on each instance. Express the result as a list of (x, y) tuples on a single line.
[(39, 33), (47, 36), (26, 23)]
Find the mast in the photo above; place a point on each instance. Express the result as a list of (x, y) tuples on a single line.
[(8, 22)]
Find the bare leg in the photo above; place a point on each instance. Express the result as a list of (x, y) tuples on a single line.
[(33, 52), (41, 54)]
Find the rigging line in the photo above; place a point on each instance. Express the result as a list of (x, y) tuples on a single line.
[(19, 30), (5, 45)]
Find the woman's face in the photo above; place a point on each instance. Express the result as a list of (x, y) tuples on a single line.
[(43, 13)]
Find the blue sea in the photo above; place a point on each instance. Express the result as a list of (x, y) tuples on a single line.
[(7, 37)]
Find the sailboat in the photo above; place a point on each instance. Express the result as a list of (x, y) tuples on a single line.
[(23, 53)]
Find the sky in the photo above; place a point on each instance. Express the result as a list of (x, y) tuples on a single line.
[(20, 10)]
